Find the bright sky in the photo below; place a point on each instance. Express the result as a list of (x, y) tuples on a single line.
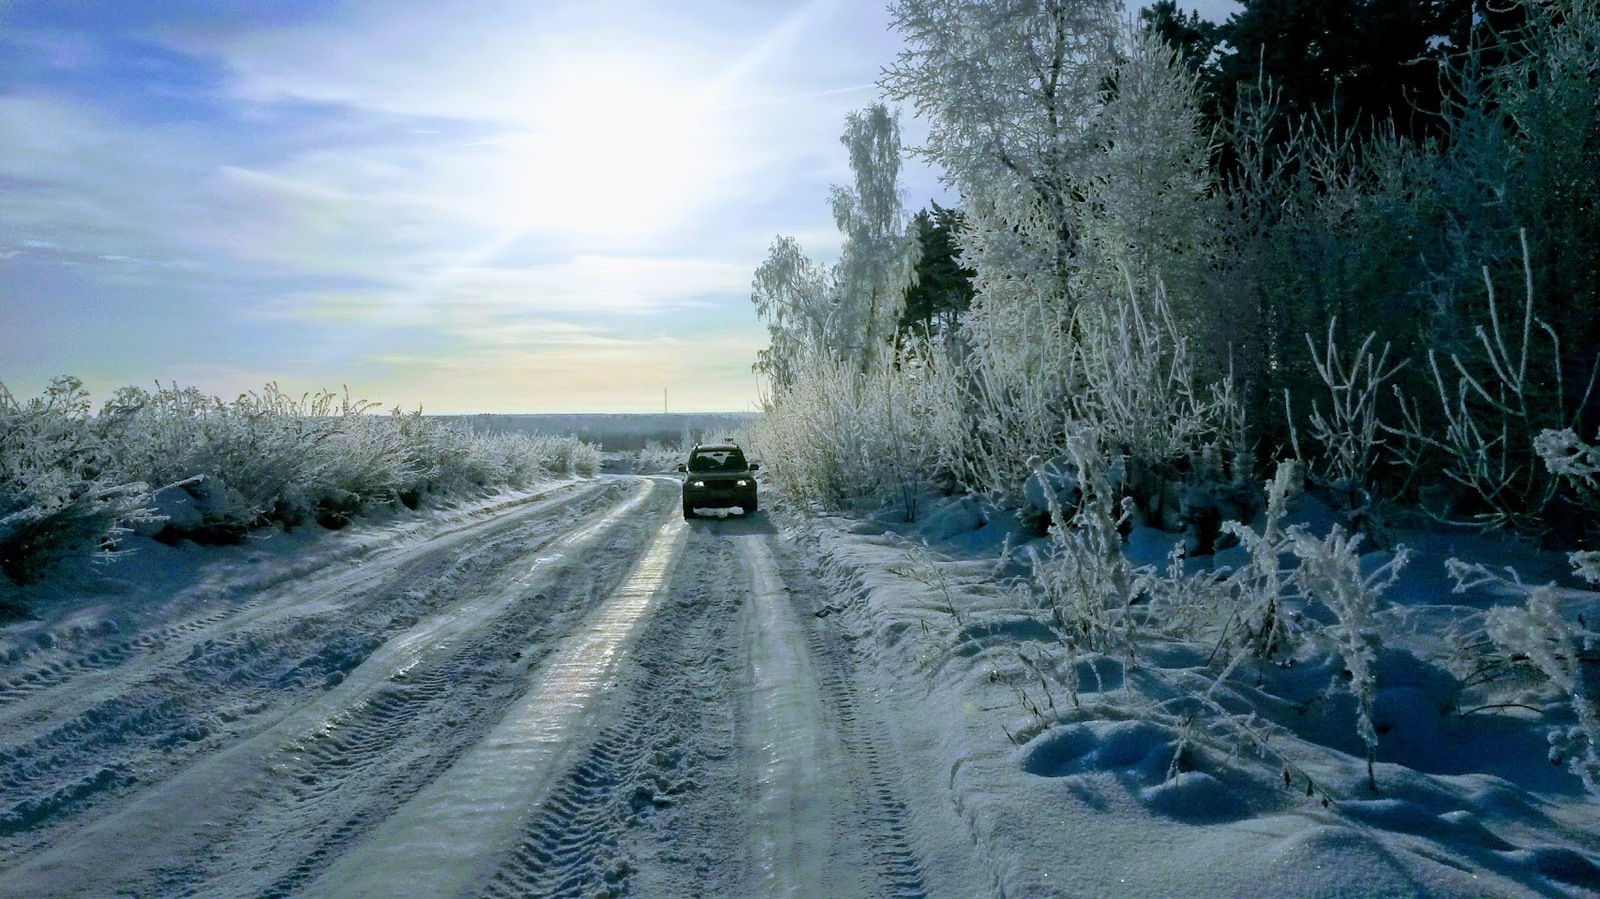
[(548, 206)]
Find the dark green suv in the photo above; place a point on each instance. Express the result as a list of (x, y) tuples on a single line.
[(718, 477)]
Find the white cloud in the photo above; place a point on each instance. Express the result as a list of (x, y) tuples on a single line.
[(501, 181)]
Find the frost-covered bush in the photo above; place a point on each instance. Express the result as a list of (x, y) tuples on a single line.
[(1566, 455), (1245, 618), (1348, 437), (1118, 367), (1266, 627), (57, 495), (1329, 572), (853, 439), (1496, 403), (1537, 638), (561, 456), (267, 454), (72, 479), (327, 457), (1086, 582), (1578, 463), (1142, 396), (656, 457)]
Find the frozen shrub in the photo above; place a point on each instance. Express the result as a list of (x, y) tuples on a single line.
[(853, 439), (1086, 581), (47, 518), (71, 480), (1348, 436), (655, 457), (1255, 613), (57, 495), (1537, 636), (1567, 456), (1330, 573), (1264, 626), (1498, 406)]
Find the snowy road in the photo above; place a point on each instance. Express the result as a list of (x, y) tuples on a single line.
[(574, 693)]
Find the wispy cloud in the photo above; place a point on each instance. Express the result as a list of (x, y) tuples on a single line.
[(479, 185)]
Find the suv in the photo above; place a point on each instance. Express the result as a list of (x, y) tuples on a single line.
[(717, 476)]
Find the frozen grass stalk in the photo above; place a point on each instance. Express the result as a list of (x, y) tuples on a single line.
[(1330, 572)]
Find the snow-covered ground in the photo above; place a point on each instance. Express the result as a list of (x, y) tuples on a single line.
[(565, 693), (1085, 792), (575, 692)]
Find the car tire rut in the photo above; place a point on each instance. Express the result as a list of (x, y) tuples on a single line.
[(438, 709), (641, 811), (214, 681), (886, 818), (343, 780)]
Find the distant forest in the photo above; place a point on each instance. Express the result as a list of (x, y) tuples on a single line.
[(616, 432)]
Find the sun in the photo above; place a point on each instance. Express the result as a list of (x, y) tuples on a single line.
[(615, 145)]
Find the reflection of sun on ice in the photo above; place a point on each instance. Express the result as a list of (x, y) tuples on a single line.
[(615, 146)]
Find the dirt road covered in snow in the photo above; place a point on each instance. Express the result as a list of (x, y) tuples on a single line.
[(566, 694)]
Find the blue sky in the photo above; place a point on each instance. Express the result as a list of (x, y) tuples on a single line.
[(533, 207)]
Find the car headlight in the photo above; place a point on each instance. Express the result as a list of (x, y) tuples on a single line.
[(697, 483), (743, 482)]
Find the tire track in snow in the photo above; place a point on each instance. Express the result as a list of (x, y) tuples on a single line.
[(884, 819), (110, 731), (737, 762), (187, 818), (647, 808), (435, 844), (62, 674), (804, 837), (344, 780), (54, 672)]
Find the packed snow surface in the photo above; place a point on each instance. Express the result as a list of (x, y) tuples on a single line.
[(574, 692)]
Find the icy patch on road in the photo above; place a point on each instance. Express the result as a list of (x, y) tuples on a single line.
[(442, 840), (795, 751)]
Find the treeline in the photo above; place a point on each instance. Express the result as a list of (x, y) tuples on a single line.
[(177, 464), (615, 432), (1360, 233)]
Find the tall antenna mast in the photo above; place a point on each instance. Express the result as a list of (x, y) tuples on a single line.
[(663, 400)]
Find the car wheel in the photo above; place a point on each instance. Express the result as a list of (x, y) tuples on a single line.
[(688, 513), (749, 507)]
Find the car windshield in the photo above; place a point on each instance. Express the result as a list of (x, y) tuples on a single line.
[(717, 460)]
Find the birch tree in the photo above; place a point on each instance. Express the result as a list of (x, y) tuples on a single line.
[(1006, 86), (794, 295), (875, 265), (1148, 187)]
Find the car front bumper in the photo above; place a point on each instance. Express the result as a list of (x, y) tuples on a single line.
[(719, 494)]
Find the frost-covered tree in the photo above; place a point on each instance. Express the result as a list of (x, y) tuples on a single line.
[(794, 294), (1006, 87), (1148, 190), (875, 265), (852, 408), (847, 311), (1076, 141)]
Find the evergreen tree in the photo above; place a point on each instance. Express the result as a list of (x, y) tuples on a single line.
[(1195, 38), (942, 289), (1356, 63)]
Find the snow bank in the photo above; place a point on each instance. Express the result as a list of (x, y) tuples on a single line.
[(1143, 771)]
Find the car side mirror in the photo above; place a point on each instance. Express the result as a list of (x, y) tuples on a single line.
[(754, 465), (682, 467)]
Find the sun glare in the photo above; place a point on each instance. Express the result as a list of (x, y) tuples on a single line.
[(614, 147)]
